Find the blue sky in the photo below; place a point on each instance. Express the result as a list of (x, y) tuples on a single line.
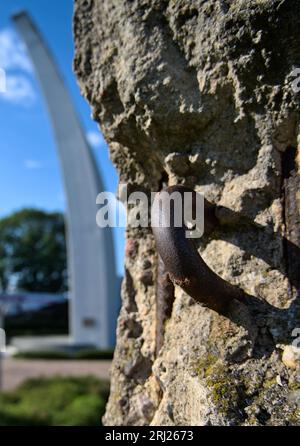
[(29, 168)]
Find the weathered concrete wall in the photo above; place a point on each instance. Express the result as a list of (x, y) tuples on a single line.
[(199, 93)]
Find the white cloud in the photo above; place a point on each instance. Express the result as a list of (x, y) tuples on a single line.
[(2, 80), (95, 138), (17, 68), (33, 164), (13, 55), (19, 90)]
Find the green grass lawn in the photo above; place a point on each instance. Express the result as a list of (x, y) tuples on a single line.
[(55, 402)]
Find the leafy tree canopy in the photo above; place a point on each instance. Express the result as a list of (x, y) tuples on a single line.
[(33, 251)]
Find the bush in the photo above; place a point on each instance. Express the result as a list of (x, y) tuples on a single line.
[(83, 354), (55, 402)]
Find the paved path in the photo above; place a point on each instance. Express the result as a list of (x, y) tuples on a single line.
[(15, 371)]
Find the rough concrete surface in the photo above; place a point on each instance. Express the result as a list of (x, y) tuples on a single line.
[(200, 93)]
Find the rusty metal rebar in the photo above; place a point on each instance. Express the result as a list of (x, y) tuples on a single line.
[(182, 261)]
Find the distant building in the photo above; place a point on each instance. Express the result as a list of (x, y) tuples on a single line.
[(14, 304)]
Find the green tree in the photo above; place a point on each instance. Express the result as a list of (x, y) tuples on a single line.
[(33, 251)]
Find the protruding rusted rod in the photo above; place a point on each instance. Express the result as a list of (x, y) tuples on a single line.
[(164, 302), (181, 258)]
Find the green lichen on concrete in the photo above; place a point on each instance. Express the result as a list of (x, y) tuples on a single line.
[(205, 366), (225, 392), (294, 418), (269, 382), (246, 398), (295, 385)]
